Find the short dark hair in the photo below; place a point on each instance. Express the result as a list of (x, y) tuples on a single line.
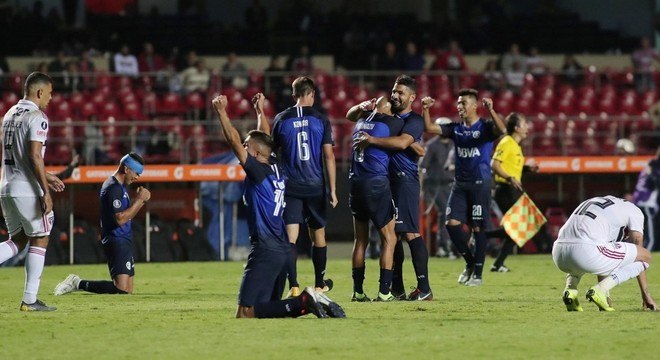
[(469, 92), (33, 79), (302, 86), (512, 121), (262, 138), (407, 81)]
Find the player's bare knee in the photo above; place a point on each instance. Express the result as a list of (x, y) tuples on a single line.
[(643, 255), (452, 222), (411, 236)]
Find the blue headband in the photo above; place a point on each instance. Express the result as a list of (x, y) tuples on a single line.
[(132, 164)]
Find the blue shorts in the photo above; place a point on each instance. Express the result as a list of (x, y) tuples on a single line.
[(310, 210), (371, 200), (405, 192), (119, 253), (264, 277), (469, 203)]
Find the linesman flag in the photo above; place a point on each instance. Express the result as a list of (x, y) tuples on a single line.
[(523, 220)]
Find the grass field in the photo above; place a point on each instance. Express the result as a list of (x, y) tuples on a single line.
[(185, 311)]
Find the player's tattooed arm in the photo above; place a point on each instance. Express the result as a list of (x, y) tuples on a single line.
[(356, 111)]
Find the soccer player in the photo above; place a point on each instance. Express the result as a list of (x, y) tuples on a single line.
[(303, 137), (264, 276), (117, 213), (469, 201), (603, 236), (404, 181), (25, 197), (371, 198), (508, 165)]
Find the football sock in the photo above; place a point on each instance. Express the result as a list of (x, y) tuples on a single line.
[(7, 250), (572, 281), (319, 259), (279, 309), (622, 275), (292, 269), (358, 280), (460, 240), (100, 287), (420, 260), (397, 275), (34, 266), (496, 233), (385, 281), (480, 241), (505, 250)]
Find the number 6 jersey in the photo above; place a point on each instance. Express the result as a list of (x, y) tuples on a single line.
[(601, 220), (23, 123)]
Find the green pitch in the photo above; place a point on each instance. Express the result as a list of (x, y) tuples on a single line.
[(185, 311)]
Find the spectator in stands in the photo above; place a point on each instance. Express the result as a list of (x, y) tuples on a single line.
[(125, 63), (234, 72), (412, 60), (56, 67), (42, 67), (642, 60), (451, 60), (493, 79), (196, 78), (535, 63), (94, 149), (515, 78), (389, 59), (646, 197), (4, 66), (301, 63), (160, 142), (86, 68), (571, 70), (71, 79), (514, 60), (149, 61), (274, 80)]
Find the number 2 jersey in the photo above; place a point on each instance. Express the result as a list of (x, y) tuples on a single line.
[(299, 133), (264, 197), (601, 220), (23, 123)]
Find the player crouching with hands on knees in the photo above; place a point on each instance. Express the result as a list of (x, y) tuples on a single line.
[(591, 241), (117, 211), (264, 277)]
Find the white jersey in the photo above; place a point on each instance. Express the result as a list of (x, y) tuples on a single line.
[(601, 220), (23, 123)]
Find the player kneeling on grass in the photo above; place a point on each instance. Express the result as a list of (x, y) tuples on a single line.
[(116, 215), (264, 276), (591, 242)]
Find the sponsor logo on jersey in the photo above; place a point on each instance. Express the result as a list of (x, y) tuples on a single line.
[(44, 125), (468, 152)]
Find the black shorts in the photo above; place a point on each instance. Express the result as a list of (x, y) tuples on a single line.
[(119, 253), (310, 210), (371, 200), (405, 192), (264, 277), (469, 203), (506, 196)]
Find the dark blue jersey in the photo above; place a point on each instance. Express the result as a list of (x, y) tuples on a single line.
[(406, 161), (474, 146), (264, 198), (114, 199), (374, 161), (299, 134)]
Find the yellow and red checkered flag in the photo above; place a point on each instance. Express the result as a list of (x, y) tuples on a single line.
[(523, 220)]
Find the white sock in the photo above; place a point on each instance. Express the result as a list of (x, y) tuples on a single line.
[(572, 281), (7, 250), (622, 275), (34, 266)]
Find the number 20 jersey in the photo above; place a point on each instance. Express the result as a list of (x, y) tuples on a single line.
[(23, 123), (299, 133), (601, 220)]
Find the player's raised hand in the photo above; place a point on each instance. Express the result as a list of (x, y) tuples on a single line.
[(143, 194), (368, 105), (488, 103), (220, 103), (427, 102), (258, 102)]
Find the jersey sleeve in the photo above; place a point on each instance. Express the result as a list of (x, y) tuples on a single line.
[(448, 130), (636, 219), (114, 198), (502, 150), (274, 132), (255, 171), (38, 129), (489, 130), (327, 132), (414, 127)]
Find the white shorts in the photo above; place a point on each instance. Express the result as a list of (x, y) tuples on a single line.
[(577, 258), (24, 213)]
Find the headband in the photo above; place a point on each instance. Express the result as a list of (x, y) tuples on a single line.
[(132, 164)]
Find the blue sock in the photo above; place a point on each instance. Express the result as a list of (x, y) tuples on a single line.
[(460, 240), (480, 240), (319, 259), (292, 268), (385, 281), (420, 260), (397, 275), (358, 280), (279, 309), (99, 287)]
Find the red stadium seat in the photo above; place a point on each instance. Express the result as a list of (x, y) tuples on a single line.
[(88, 109), (171, 104), (103, 79), (110, 109), (150, 102), (132, 111), (63, 111), (9, 98)]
